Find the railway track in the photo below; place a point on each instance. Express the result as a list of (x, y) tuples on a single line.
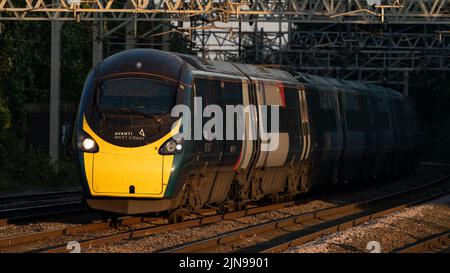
[(299, 229), (234, 236), (16, 198), (225, 240), (20, 208), (144, 232), (434, 243), (69, 231)]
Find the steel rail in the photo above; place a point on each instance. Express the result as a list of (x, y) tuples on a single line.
[(346, 225), (41, 211), (433, 243), (355, 208), (139, 233), (69, 231), (38, 196), (15, 208)]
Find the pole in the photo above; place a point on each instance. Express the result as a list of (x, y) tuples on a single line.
[(55, 86), (406, 84), (130, 36), (97, 42)]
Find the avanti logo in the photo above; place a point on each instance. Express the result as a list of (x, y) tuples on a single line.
[(123, 133)]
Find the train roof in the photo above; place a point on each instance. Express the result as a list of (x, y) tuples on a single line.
[(206, 65), (345, 84), (259, 72), (237, 69), (168, 65), (255, 71), (141, 60)]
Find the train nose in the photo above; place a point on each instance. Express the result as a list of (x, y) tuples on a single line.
[(127, 174)]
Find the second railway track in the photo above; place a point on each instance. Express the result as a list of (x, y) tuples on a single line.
[(433, 243), (29, 207), (299, 229)]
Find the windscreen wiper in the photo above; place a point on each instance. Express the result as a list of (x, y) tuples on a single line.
[(131, 111)]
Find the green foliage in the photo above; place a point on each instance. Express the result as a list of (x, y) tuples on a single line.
[(5, 117), (75, 60), (24, 75), (5, 125), (25, 65), (25, 78)]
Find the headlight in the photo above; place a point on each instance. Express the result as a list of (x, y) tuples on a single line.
[(86, 143), (171, 146)]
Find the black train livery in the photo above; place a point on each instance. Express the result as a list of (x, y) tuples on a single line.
[(330, 132)]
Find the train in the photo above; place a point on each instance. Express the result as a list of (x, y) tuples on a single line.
[(330, 132)]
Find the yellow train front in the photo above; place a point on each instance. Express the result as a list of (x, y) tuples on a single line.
[(124, 132)]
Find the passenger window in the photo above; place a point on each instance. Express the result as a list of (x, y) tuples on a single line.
[(357, 119), (324, 118), (381, 121), (231, 93), (204, 89)]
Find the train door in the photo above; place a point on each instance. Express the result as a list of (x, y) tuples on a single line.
[(305, 163), (316, 137), (250, 141), (412, 132), (228, 95), (232, 99), (368, 149), (322, 108), (332, 132), (269, 167), (208, 151), (402, 144), (267, 95), (392, 169), (339, 135), (356, 137), (290, 123), (383, 139), (342, 125)]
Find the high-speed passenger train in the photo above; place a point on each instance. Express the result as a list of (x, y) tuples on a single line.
[(330, 132)]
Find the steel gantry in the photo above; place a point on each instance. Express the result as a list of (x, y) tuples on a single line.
[(319, 11), (386, 54)]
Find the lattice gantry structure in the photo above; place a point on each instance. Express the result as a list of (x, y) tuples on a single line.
[(374, 40), (306, 34), (387, 54), (370, 54), (323, 11)]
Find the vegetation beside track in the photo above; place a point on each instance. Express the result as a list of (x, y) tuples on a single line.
[(25, 78)]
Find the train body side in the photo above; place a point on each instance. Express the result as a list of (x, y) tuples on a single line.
[(359, 134)]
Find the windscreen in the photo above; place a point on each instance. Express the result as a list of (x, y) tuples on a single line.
[(136, 96)]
